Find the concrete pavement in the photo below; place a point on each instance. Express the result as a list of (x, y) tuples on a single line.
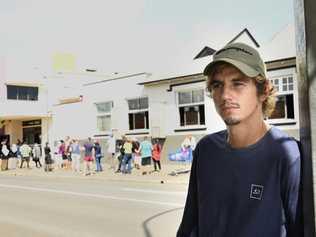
[(170, 173)]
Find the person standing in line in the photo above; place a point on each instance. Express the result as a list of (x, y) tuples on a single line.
[(98, 156), (75, 155), (88, 156), (4, 154), (57, 155), (68, 142), (25, 150), (245, 180), (156, 154), (37, 153), (48, 158), (127, 159), (13, 157), (19, 157), (121, 155), (61, 156), (63, 152), (137, 154), (112, 150), (146, 152)]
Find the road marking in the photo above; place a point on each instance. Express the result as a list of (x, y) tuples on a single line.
[(89, 195), (153, 191)]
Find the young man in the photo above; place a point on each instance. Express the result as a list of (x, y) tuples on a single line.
[(244, 180)]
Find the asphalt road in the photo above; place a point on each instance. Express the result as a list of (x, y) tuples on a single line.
[(63, 207)]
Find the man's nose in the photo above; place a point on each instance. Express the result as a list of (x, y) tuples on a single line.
[(226, 92)]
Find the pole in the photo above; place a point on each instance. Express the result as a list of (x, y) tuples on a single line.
[(305, 25)]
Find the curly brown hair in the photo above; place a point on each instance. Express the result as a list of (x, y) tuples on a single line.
[(263, 85)]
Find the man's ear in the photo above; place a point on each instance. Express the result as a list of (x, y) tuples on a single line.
[(268, 87)]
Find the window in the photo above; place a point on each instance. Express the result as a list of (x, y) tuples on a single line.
[(104, 115), (104, 122), (283, 84), (191, 107), (138, 116), (284, 107), (22, 93)]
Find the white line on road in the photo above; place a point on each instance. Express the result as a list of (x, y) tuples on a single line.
[(153, 191), (89, 195)]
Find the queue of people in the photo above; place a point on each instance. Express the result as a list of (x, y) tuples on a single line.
[(69, 154), (139, 155), (17, 154)]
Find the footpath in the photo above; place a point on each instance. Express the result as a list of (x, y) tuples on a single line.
[(170, 173)]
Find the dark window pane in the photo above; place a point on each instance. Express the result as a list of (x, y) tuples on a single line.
[(133, 104), (202, 114), (191, 115), (147, 119), (143, 103), (284, 88), (139, 120), (291, 87), (290, 79), (12, 92), (33, 93), (32, 135), (131, 121), (284, 80), (290, 106), (181, 111), (22, 93), (279, 110)]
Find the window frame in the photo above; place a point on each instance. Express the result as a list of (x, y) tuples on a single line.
[(132, 112), (102, 114), (191, 104), (31, 93), (283, 93)]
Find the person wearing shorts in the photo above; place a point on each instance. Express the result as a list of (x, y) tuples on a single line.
[(88, 158), (146, 150)]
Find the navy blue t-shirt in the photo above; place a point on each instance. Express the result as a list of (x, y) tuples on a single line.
[(248, 192)]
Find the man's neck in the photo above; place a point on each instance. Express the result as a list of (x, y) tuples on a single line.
[(244, 135)]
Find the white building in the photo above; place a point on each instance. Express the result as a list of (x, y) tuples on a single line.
[(91, 104)]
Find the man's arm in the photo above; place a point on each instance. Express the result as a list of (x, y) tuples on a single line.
[(189, 223), (292, 199)]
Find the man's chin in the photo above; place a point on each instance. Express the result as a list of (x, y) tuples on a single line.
[(231, 121)]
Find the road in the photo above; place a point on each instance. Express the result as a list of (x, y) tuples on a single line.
[(65, 207)]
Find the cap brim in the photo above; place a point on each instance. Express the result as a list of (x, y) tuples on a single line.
[(244, 68)]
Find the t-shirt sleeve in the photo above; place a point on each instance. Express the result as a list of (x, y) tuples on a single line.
[(189, 223), (292, 199)]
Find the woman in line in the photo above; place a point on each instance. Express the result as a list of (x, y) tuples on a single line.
[(156, 154)]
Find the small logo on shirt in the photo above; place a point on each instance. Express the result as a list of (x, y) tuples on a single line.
[(256, 191)]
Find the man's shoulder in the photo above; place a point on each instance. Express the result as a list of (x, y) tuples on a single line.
[(282, 138), (285, 144), (217, 138)]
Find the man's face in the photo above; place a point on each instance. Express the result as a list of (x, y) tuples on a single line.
[(235, 96)]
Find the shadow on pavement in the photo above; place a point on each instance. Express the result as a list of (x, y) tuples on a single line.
[(146, 222)]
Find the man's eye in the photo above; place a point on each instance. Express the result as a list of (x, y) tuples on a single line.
[(215, 85), (238, 83)]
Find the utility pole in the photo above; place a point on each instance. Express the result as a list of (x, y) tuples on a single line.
[(305, 31)]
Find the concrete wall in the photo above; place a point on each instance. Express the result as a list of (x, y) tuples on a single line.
[(14, 128)]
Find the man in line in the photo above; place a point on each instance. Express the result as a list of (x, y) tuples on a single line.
[(244, 180)]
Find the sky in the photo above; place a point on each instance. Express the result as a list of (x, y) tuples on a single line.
[(130, 36)]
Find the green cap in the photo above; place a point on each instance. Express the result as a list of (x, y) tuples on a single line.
[(242, 56)]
